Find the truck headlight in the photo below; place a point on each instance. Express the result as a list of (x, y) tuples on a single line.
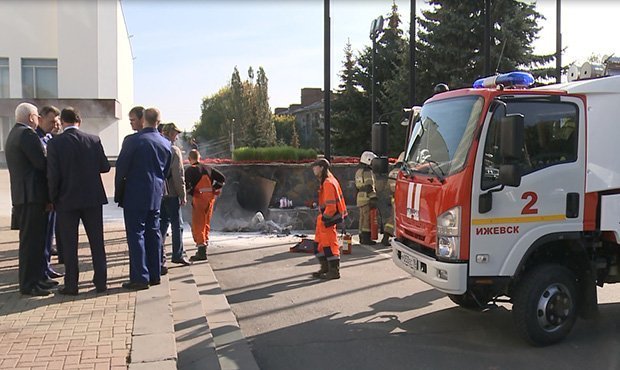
[(449, 222), (448, 247), (449, 234)]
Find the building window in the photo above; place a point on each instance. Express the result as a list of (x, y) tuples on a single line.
[(4, 77), (39, 78), (5, 127)]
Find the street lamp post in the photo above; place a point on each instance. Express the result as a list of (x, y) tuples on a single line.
[(232, 137), (376, 26)]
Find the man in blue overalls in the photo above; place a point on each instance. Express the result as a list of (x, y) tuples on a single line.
[(141, 170)]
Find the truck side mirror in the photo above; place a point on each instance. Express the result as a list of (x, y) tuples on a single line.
[(512, 133), (485, 202), (380, 165), (510, 174), (511, 138)]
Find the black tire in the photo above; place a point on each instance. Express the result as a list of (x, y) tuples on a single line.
[(466, 301), (545, 304)]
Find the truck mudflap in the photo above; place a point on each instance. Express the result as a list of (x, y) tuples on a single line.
[(450, 278)]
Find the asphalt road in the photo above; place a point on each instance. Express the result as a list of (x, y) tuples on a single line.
[(377, 317)]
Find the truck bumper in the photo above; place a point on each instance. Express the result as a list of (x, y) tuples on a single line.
[(450, 278)]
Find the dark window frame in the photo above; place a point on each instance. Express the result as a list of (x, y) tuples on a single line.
[(548, 140)]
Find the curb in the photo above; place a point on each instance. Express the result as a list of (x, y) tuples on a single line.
[(152, 340)]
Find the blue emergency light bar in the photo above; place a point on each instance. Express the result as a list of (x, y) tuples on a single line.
[(512, 79)]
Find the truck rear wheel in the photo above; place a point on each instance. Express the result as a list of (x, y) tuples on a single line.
[(545, 304)]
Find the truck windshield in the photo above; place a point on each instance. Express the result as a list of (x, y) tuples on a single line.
[(442, 135)]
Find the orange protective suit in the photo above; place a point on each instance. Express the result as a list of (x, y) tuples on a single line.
[(331, 201), (202, 209)]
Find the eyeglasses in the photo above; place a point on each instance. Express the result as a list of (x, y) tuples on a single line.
[(35, 114)]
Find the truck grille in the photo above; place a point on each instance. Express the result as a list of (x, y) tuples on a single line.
[(417, 247)]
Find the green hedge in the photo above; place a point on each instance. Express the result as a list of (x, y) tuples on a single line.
[(275, 153)]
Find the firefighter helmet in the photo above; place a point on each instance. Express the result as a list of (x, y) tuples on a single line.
[(367, 157)]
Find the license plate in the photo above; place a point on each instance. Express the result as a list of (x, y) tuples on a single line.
[(409, 261)]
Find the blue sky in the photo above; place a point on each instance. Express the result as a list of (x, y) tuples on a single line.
[(186, 50)]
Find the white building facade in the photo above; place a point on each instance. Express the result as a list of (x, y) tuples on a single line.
[(67, 53)]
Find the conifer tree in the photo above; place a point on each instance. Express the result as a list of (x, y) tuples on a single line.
[(350, 111), (451, 39), (265, 129)]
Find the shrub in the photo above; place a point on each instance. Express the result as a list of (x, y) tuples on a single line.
[(271, 154)]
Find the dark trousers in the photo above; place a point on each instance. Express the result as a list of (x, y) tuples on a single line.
[(68, 223), (49, 240), (171, 215), (32, 226), (144, 242)]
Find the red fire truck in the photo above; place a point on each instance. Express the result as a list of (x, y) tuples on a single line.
[(512, 194)]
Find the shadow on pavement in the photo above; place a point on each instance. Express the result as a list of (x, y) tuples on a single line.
[(452, 338)]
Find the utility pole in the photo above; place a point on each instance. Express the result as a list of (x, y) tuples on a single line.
[(326, 81), (487, 37), (412, 55), (232, 137), (375, 28), (558, 42)]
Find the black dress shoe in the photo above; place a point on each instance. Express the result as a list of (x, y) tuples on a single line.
[(164, 270), (183, 261), (36, 291), (54, 274), (47, 283), (64, 291), (134, 286), (101, 289), (154, 282)]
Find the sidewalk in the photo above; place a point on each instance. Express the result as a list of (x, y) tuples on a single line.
[(185, 323), (89, 331)]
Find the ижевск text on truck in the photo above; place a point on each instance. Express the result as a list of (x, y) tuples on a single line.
[(512, 194)]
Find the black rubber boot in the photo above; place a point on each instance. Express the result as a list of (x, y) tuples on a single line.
[(319, 274), (334, 270), (365, 238), (201, 254), (386, 240)]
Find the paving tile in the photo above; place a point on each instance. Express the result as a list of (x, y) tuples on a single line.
[(61, 332)]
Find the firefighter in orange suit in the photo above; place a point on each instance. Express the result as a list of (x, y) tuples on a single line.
[(366, 195), (333, 210), (204, 184)]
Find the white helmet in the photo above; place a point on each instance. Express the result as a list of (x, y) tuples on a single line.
[(367, 157)]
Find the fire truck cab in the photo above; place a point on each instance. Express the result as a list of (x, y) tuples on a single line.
[(512, 194)]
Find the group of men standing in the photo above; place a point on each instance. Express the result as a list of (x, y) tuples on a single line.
[(55, 175), (61, 173)]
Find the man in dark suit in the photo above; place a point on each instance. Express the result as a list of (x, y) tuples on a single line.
[(141, 169), (26, 162), (75, 161), (49, 126)]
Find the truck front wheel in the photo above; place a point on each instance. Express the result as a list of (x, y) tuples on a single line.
[(467, 301), (544, 304)]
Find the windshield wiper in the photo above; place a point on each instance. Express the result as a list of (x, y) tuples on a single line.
[(406, 168), (432, 165)]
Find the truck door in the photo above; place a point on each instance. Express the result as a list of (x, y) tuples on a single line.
[(550, 198)]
